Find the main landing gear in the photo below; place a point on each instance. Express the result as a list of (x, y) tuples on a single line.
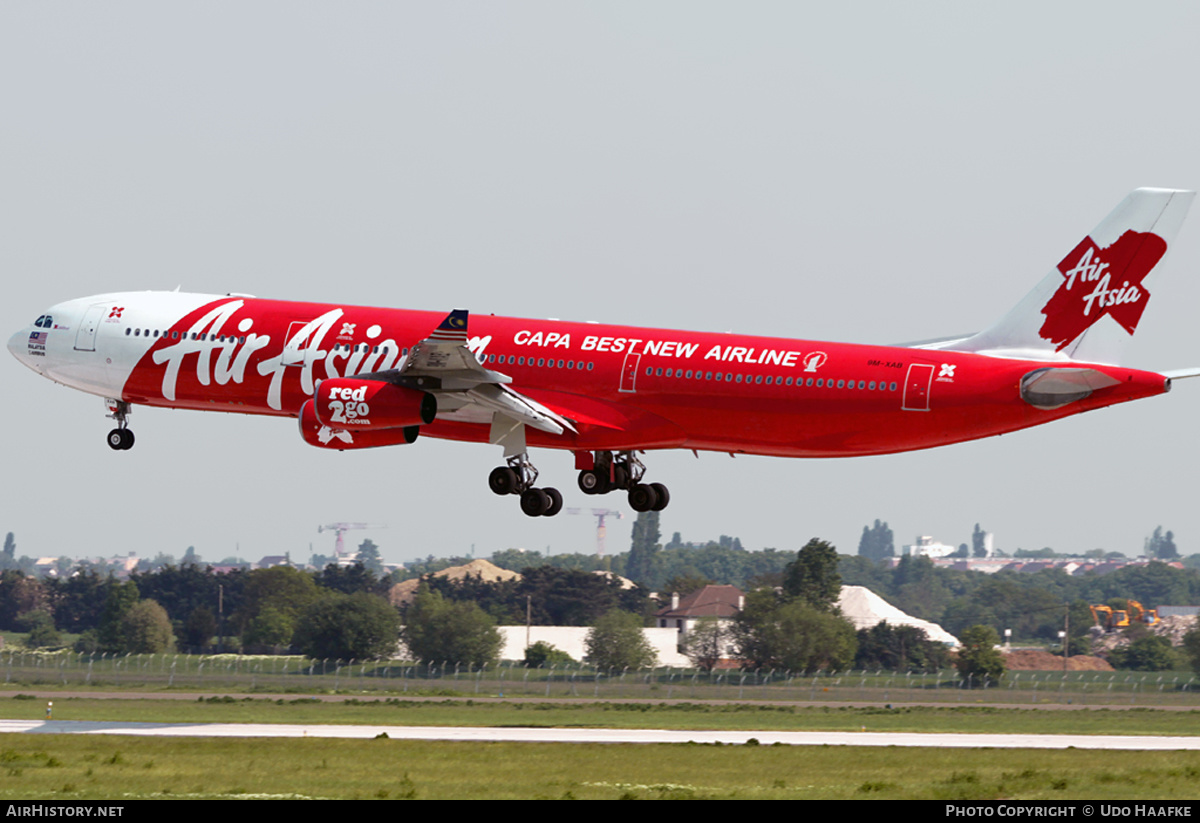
[(623, 471), (518, 477), (607, 472), (120, 438)]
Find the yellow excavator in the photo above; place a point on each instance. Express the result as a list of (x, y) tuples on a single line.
[(1139, 614), (1108, 618), (1111, 619)]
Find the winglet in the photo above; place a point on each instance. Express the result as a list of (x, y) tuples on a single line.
[(453, 328)]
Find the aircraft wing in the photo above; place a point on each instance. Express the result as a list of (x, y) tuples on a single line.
[(465, 389)]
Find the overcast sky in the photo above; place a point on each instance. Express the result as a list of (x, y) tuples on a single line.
[(865, 172)]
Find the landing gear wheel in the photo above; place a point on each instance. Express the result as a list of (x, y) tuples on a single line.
[(620, 477), (664, 496), (535, 502), (502, 480), (120, 439), (556, 502), (591, 482), (643, 498)]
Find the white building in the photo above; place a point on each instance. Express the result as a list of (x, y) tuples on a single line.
[(926, 546)]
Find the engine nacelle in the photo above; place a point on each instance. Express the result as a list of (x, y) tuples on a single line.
[(316, 433), (371, 405)]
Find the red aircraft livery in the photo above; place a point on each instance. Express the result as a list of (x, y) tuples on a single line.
[(358, 377)]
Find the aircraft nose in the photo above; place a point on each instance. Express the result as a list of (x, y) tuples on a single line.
[(18, 346)]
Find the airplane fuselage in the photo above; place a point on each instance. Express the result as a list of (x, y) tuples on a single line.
[(622, 388)]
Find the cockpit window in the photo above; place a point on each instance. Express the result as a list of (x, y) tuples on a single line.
[(44, 322)]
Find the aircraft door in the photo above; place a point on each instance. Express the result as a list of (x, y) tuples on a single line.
[(629, 370), (85, 338), (916, 387), (293, 354)]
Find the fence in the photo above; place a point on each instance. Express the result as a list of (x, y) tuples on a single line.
[(218, 673)]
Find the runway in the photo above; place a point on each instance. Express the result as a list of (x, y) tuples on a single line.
[(574, 735)]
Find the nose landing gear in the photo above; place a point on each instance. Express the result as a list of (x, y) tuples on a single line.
[(120, 438)]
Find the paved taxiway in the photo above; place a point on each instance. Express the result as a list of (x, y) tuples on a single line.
[(549, 735)]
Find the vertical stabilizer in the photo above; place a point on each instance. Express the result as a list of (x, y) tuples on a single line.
[(1089, 306)]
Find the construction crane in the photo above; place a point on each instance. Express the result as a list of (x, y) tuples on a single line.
[(341, 529), (601, 529)]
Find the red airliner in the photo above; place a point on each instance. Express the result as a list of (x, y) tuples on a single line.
[(358, 377)]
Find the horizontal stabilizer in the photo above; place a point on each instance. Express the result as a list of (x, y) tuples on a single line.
[(1180, 374)]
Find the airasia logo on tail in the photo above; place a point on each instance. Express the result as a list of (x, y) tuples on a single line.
[(1101, 281)]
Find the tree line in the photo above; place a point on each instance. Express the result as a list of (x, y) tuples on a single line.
[(340, 612)]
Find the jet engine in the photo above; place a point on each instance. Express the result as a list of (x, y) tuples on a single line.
[(316, 433), (371, 405)]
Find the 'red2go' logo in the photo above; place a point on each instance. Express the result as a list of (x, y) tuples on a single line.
[(1101, 281)]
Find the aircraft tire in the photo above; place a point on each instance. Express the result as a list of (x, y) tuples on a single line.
[(556, 502), (502, 480), (590, 482), (535, 502), (664, 496), (642, 498), (120, 439)]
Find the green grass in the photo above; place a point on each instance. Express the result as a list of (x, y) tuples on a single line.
[(104, 767), (626, 715), (65, 767)]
